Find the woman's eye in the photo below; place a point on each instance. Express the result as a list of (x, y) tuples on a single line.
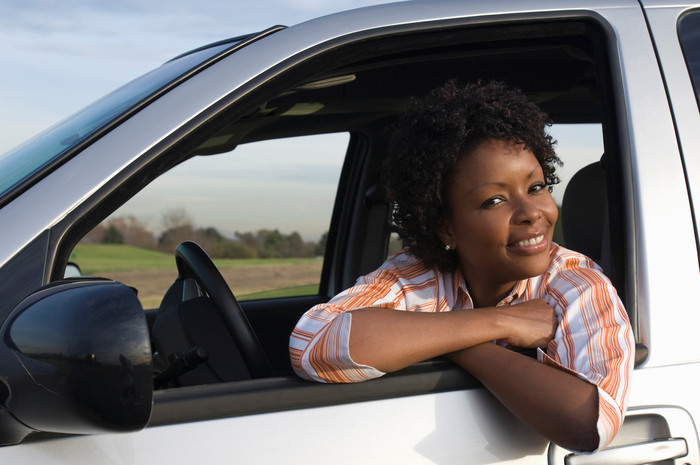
[(538, 187), (492, 202)]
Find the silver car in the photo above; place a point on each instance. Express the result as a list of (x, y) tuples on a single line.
[(290, 123)]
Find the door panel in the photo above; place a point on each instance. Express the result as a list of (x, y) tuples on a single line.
[(649, 435), (448, 428)]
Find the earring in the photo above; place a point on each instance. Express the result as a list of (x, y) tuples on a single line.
[(448, 247)]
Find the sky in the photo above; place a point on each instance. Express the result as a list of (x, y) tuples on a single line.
[(58, 56)]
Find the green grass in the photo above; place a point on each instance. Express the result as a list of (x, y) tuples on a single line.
[(117, 257), (95, 258)]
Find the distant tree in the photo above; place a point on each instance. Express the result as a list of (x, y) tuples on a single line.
[(177, 227), (212, 234), (234, 249), (170, 238), (247, 238), (95, 236), (112, 236), (215, 244), (133, 231), (176, 217), (271, 243)]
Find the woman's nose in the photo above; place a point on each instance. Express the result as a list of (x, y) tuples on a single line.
[(526, 210)]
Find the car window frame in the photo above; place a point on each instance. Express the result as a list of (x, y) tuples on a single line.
[(173, 406)]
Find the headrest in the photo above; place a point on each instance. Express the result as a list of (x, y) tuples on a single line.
[(584, 212)]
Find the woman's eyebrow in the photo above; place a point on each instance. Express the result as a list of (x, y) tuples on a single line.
[(490, 183), (533, 171), (530, 175)]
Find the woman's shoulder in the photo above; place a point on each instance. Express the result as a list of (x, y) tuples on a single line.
[(403, 260), (403, 265), (561, 257), (566, 262)]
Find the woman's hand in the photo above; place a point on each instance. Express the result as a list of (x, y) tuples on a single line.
[(528, 325)]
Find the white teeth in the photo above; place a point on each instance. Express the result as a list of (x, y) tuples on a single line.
[(533, 241)]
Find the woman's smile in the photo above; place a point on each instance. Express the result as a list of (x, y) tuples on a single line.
[(531, 245)]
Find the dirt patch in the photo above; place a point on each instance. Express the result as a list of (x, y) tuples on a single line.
[(152, 284)]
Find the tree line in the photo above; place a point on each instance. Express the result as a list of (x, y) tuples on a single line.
[(177, 226)]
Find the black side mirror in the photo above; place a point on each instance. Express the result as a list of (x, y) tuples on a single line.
[(75, 357)]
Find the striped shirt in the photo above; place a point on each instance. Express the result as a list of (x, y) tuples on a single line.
[(593, 339)]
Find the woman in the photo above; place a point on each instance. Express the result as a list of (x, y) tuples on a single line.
[(470, 172)]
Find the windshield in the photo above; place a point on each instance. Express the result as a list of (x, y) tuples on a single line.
[(26, 161)]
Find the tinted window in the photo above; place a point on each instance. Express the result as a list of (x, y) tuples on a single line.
[(689, 32)]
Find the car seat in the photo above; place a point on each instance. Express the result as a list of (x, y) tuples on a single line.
[(584, 215)]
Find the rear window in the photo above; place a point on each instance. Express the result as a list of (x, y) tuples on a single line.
[(689, 34)]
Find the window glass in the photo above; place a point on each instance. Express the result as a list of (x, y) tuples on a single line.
[(689, 33), (578, 145), (261, 212), (23, 161)]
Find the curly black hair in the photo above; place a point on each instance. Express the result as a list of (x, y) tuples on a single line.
[(433, 135)]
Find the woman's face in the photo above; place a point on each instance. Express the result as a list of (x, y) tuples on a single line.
[(502, 219)]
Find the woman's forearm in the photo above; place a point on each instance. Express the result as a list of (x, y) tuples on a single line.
[(389, 340), (555, 403)]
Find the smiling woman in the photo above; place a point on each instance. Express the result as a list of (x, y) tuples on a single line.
[(469, 172)]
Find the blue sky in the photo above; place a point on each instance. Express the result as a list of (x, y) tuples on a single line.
[(57, 56)]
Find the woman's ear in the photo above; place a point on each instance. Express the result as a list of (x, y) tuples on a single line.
[(445, 235)]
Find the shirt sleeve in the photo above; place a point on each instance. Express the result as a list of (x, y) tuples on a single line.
[(319, 344), (594, 339)]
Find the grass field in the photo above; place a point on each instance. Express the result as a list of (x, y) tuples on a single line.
[(152, 272)]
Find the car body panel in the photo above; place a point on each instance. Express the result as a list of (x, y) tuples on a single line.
[(421, 427), (663, 19), (659, 182)]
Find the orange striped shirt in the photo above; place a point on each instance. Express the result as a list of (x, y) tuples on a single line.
[(593, 340)]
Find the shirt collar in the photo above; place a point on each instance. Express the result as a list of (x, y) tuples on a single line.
[(462, 291)]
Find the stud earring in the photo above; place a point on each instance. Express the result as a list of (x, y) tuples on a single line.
[(448, 247)]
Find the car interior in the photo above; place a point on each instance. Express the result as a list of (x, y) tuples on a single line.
[(359, 86)]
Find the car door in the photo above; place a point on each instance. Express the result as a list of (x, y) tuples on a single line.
[(603, 58)]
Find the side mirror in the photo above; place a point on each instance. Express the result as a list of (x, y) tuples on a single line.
[(72, 271), (75, 357)]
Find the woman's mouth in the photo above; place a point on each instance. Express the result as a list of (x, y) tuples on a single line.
[(528, 242), (531, 246)]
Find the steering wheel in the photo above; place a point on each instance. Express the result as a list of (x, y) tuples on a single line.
[(193, 262)]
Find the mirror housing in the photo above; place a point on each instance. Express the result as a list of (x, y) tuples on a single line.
[(75, 358)]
